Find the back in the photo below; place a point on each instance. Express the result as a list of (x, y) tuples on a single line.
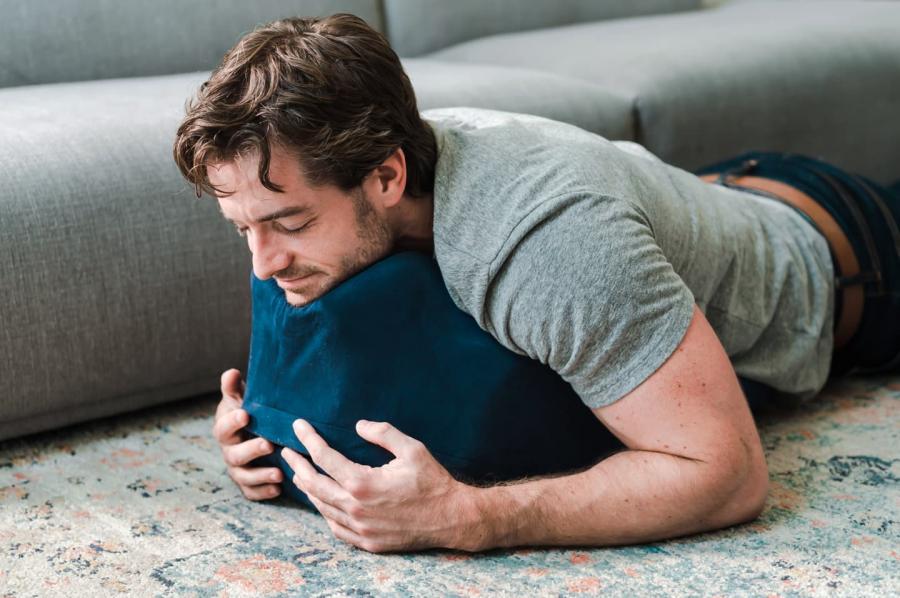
[(588, 254)]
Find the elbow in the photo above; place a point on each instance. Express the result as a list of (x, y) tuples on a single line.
[(751, 498), (744, 489)]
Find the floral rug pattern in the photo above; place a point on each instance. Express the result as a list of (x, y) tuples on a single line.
[(140, 505)]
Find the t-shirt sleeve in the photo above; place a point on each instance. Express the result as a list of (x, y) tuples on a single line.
[(582, 286)]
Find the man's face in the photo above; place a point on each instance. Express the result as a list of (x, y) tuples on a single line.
[(308, 238)]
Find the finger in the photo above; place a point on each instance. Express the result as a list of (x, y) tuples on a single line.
[(232, 384), (226, 405), (388, 437), (238, 455), (232, 397), (261, 492), (345, 534), (225, 429), (343, 470), (255, 476), (312, 482), (331, 512)]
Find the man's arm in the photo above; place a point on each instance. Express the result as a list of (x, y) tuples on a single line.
[(694, 463)]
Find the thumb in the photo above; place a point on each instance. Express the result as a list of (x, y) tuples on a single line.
[(387, 437), (233, 385)]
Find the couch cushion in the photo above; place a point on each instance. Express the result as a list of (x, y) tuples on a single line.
[(443, 84), (60, 40), (119, 287), (418, 26), (786, 76)]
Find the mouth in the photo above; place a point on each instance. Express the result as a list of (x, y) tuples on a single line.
[(287, 283)]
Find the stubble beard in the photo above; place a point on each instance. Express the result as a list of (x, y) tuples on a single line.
[(376, 241), (376, 237)]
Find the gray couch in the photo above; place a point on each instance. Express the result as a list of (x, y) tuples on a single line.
[(119, 289)]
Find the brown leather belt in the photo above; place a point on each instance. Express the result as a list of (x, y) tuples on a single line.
[(853, 297)]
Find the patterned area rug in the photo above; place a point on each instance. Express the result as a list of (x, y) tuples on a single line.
[(141, 505)]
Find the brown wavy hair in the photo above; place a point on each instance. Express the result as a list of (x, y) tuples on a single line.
[(329, 90)]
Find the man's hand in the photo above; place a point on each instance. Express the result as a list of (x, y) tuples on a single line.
[(256, 483), (410, 503)]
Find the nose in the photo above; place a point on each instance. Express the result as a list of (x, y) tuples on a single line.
[(268, 255)]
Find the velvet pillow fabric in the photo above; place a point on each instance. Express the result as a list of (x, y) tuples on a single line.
[(389, 344)]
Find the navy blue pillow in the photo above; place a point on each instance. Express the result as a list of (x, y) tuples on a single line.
[(389, 344)]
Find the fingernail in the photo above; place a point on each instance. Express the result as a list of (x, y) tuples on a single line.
[(275, 476), (264, 445)]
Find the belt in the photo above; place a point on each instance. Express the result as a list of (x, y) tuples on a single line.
[(852, 298)]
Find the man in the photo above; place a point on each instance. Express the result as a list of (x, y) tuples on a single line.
[(591, 256)]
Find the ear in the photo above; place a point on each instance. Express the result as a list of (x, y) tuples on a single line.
[(387, 182)]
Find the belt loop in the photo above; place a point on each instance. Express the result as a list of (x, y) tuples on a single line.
[(744, 167)]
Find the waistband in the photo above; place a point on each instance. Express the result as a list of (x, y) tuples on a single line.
[(849, 279)]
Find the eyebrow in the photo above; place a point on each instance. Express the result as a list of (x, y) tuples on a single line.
[(282, 213)]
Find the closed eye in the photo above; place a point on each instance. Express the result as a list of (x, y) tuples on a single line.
[(242, 230), (292, 230)]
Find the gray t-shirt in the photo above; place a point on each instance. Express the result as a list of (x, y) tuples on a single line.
[(588, 255)]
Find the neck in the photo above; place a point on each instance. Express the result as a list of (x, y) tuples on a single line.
[(413, 225)]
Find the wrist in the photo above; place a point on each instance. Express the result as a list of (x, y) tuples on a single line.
[(483, 513)]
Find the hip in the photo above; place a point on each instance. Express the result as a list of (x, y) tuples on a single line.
[(859, 220)]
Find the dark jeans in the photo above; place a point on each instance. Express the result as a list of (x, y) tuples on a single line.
[(875, 348)]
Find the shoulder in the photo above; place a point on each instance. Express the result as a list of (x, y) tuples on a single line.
[(586, 289), (494, 168)]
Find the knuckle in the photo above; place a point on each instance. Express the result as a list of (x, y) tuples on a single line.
[(417, 450), (356, 511), (221, 409), (370, 545), (259, 493), (364, 530), (338, 532), (223, 422), (230, 457), (381, 427), (222, 439), (235, 474), (355, 486)]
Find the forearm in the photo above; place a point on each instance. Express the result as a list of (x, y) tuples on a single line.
[(630, 497)]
